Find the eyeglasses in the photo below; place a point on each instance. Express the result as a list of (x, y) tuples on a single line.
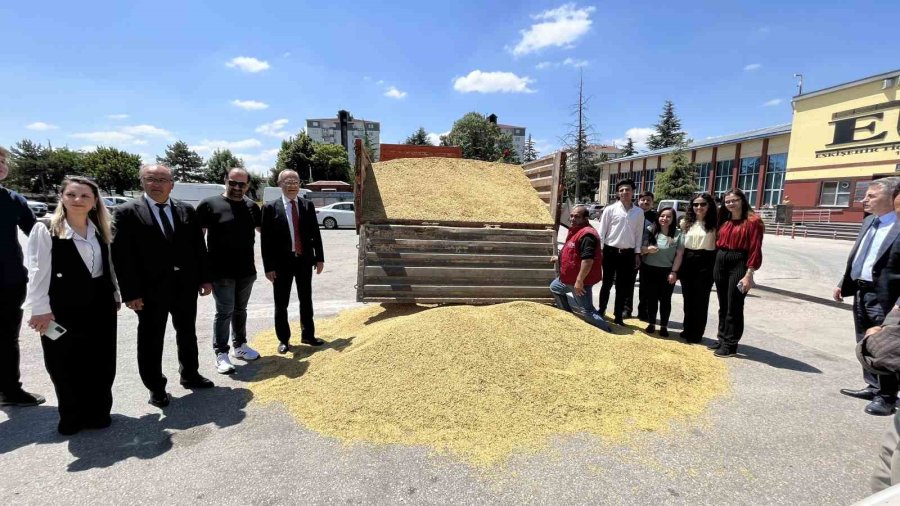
[(730, 202), (290, 182), (237, 184), (156, 180), (699, 204)]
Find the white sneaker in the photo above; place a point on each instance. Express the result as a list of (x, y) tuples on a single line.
[(245, 352), (223, 364)]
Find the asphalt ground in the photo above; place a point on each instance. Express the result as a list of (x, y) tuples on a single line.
[(783, 436)]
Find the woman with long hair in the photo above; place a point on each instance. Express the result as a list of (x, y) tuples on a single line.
[(740, 255), (698, 228), (661, 250), (73, 298)]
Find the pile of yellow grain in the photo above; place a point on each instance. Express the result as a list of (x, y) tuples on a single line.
[(451, 189), (482, 383)]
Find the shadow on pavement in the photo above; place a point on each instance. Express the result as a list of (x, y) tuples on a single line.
[(806, 298), (291, 365), (773, 359), (28, 426)]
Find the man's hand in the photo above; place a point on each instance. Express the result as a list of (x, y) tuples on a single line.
[(270, 276), (672, 278), (579, 287), (837, 295), (320, 266), (873, 330), (40, 322), (637, 261), (554, 259), (135, 305), (205, 289)]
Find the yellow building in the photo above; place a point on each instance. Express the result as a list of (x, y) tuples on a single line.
[(840, 139)]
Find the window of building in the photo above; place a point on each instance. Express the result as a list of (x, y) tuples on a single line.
[(371, 125), (775, 170), (613, 180), (860, 191), (703, 175), (835, 193), (638, 177), (723, 178), (315, 123), (651, 180), (748, 178)]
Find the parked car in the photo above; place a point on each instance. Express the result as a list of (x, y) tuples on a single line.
[(339, 214), (115, 201), (38, 208), (680, 206), (271, 193), (594, 211), (193, 193)]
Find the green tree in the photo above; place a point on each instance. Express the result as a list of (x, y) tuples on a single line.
[(480, 139), (114, 170), (295, 154), (531, 153), (28, 167), (418, 138), (370, 148), (678, 181), (184, 162), (668, 130), (330, 163), (629, 149), (218, 165), (581, 162), (257, 182)]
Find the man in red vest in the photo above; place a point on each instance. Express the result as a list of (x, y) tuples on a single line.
[(580, 268)]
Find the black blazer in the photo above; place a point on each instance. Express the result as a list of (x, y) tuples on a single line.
[(142, 257), (275, 235), (885, 272)]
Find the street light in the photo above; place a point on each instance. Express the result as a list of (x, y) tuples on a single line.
[(799, 83)]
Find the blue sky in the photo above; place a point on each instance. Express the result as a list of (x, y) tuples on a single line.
[(138, 75)]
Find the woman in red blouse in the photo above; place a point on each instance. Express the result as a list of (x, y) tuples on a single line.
[(739, 255)]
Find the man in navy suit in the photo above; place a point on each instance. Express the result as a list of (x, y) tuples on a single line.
[(291, 249), (873, 280)]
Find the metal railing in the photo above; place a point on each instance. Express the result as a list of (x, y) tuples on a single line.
[(812, 216)]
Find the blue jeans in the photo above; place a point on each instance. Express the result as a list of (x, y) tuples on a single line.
[(585, 305), (231, 297)]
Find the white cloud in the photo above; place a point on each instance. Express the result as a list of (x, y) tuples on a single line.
[(274, 129), (559, 27), (638, 134), (492, 82), (435, 138), (250, 105), (261, 162), (40, 126), (139, 142), (753, 66), (208, 146), (106, 137), (572, 62), (393, 92), (568, 62), (248, 64), (118, 116), (380, 82), (544, 65), (147, 131), (773, 102), (543, 147), (286, 54)]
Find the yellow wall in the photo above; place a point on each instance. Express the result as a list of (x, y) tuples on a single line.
[(703, 155), (813, 129)]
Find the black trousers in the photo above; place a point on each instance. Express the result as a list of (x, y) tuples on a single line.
[(618, 269), (731, 266), (82, 362), (868, 313), (300, 272), (696, 275), (176, 296), (656, 293), (11, 299)]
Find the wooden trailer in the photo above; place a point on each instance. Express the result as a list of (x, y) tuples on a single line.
[(436, 262)]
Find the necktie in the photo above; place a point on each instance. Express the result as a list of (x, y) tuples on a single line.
[(856, 271), (295, 218), (166, 224)]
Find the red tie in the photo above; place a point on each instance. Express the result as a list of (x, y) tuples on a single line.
[(295, 217)]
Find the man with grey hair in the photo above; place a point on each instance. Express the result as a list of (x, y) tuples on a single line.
[(874, 284), (160, 261), (15, 215)]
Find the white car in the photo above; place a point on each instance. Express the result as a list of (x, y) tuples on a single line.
[(339, 214), (115, 201), (38, 208)]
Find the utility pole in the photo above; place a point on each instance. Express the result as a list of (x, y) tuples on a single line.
[(799, 83)]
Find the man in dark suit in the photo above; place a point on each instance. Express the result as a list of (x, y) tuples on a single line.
[(159, 256), (291, 249), (873, 280)]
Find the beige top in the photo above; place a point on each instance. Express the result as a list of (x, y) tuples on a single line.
[(698, 238)]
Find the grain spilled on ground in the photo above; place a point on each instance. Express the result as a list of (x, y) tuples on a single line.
[(483, 383), (451, 189)]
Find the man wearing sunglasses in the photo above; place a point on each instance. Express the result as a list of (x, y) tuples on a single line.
[(231, 221)]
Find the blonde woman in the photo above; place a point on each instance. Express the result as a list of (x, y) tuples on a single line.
[(71, 285)]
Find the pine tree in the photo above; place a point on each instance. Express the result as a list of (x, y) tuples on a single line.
[(581, 161), (418, 138), (531, 153), (668, 130), (629, 148), (678, 181), (184, 162)]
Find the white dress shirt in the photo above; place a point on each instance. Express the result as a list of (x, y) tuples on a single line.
[(155, 211), (887, 222), (620, 228), (39, 259), (290, 217)]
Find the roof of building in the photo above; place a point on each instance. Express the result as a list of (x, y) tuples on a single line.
[(508, 126), (359, 120), (865, 80), (715, 141), (329, 183), (605, 148)]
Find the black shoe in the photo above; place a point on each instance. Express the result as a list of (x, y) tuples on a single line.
[(715, 346), (881, 407), (313, 341), (21, 398), (68, 428), (196, 382), (664, 332), (98, 422), (726, 350), (650, 329), (283, 348), (867, 393), (160, 399), (619, 322)]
